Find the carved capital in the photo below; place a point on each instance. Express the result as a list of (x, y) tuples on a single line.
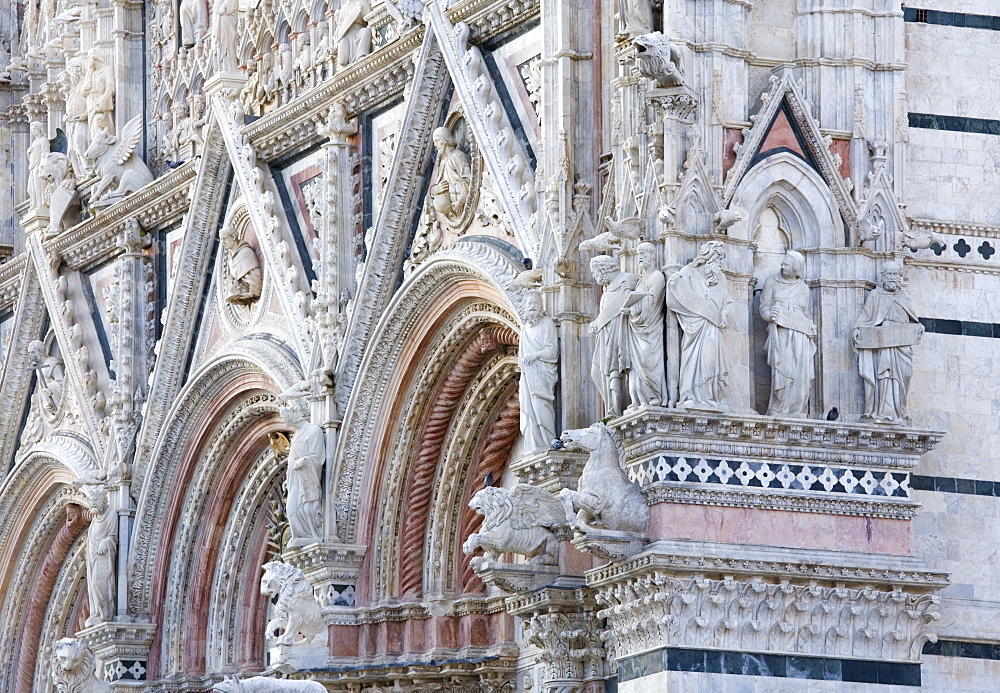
[(674, 103)]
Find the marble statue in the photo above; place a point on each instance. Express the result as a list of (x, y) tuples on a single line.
[(181, 129), (538, 356), (98, 89), (883, 338), (604, 496), (199, 118), (37, 150), (453, 183), (606, 367), (351, 33), (194, 21), (519, 520), (635, 17), (697, 295), (75, 118), (304, 506), (303, 57), (243, 267), (119, 169), (791, 337), (659, 60), (73, 668), (265, 684), (225, 32), (50, 374), (286, 65), (102, 552), (647, 384), (296, 609), (59, 189)]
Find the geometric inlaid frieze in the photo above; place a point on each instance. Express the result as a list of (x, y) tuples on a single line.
[(761, 475)]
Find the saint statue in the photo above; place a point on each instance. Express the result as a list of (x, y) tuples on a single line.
[(454, 176), (50, 375), (352, 35), (98, 90), (194, 21), (697, 295), (245, 276), (647, 384), (609, 359), (784, 304), (883, 337), (635, 17), (225, 31), (37, 150), (304, 506), (77, 130), (538, 356), (102, 551)]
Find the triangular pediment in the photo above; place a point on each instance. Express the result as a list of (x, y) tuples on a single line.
[(785, 124)]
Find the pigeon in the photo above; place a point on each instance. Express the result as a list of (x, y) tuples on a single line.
[(833, 414), (557, 444), (488, 481)]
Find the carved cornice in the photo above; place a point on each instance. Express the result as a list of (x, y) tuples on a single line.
[(11, 278), (442, 670), (651, 431), (552, 470), (834, 604)]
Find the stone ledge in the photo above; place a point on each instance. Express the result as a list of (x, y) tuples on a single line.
[(649, 432), (717, 559)]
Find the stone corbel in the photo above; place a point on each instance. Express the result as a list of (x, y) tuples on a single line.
[(332, 569), (563, 624), (123, 649)]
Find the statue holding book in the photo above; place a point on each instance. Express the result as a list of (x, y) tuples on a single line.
[(884, 336)]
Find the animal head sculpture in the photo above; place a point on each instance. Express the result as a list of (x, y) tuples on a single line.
[(102, 142), (658, 59), (73, 667), (276, 576)]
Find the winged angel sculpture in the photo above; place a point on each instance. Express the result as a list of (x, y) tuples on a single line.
[(524, 520), (119, 169)]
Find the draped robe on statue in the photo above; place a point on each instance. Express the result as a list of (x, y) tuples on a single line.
[(304, 507), (102, 564), (886, 371), (605, 370), (701, 311), (647, 383), (538, 352), (790, 347)]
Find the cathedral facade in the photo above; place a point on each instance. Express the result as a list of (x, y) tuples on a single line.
[(499, 346)]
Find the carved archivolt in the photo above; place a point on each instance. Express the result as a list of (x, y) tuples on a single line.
[(483, 271)]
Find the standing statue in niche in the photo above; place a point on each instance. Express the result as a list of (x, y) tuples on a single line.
[(697, 295), (102, 551), (352, 35), (609, 358), (883, 337), (245, 276), (37, 151), (194, 21), (225, 31), (791, 335), (538, 356), (306, 455), (98, 89), (73, 667), (647, 385), (454, 176)]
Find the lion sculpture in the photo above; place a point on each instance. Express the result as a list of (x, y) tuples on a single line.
[(296, 609), (73, 667), (521, 520), (658, 59), (116, 162), (263, 684)]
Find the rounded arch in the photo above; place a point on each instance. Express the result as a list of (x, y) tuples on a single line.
[(800, 196), (471, 268), (43, 518), (254, 368)]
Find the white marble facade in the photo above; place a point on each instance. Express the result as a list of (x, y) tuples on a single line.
[(345, 335)]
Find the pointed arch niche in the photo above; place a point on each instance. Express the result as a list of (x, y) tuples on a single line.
[(788, 206)]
